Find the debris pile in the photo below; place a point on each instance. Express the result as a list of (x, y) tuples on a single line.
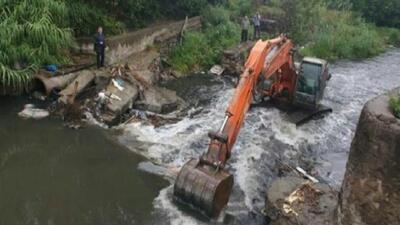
[(110, 95), (294, 200)]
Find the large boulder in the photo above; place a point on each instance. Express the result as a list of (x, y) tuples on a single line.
[(370, 192), (119, 101), (295, 201), (158, 100)]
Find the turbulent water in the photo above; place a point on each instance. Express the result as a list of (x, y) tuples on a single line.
[(266, 140)]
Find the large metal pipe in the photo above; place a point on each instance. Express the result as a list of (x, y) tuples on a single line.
[(67, 96), (58, 82)]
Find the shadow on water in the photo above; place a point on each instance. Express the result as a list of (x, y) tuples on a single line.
[(54, 175)]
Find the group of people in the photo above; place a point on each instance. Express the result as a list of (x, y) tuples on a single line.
[(256, 21)]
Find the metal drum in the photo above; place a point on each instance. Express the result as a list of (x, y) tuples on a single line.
[(203, 187)]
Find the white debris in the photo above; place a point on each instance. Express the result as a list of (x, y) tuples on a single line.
[(308, 176), (30, 112), (217, 70), (119, 87), (115, 97)]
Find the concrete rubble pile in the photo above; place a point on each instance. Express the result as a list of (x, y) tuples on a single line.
[(111, 94)]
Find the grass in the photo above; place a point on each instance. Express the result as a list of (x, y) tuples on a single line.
[(344, 35), (204, 48), (395, 105)]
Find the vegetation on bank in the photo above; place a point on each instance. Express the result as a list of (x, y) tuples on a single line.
[(39, 32), (32, 33), (204, 48), (395, 105), (328, 29)]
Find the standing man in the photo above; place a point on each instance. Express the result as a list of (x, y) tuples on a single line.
[(245, 28), (257, 26), (99, 47)]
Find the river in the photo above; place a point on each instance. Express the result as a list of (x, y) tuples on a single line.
[(53, 175)]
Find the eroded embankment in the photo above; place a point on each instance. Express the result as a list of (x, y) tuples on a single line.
[(370, 190)]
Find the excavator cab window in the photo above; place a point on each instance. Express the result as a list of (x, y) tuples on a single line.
[(309, 78)]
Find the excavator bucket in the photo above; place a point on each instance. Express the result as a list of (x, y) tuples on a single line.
[(203, 187)]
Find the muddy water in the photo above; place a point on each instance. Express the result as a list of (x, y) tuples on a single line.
[(266, 141), (53, 175)]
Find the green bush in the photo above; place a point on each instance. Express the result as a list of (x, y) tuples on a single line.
[(344, 35), (382, 13), (300, 18), (214, 16), (395, 105), (84, 20), (204, 48), (191, 7), (240, 8), (391, 35)]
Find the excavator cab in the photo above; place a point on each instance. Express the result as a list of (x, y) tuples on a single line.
[(311, 83)]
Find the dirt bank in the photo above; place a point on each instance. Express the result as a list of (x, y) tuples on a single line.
[(370, 190)]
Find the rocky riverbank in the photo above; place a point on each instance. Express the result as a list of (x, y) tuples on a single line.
[(127, 87)]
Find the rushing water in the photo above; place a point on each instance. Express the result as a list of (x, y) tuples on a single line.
[(53, 175), (266, 141)]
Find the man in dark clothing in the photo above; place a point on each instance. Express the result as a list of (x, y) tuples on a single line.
[(99, 47)]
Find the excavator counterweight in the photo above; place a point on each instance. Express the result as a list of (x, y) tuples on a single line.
[(270, 72)]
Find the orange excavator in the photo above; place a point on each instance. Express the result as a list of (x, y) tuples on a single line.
[(269, 72)]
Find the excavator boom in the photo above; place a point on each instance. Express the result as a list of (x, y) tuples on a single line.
[(204, 182)]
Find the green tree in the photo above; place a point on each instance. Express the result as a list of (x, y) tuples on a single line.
[(381, 12), (33, 33), (301, 17)]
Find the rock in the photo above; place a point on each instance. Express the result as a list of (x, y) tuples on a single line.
[(217, 70), (30, 112), (158, 100), (370, 189), (119, 101), (233, 59), (145, 77), (295, 201)]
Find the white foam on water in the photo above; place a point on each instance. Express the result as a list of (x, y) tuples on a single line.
[(352, 84), (164, 203)]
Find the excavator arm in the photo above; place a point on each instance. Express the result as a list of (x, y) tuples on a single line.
[(204, 182), (266, 58)]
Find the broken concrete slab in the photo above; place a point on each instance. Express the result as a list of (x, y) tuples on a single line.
[(85, 77), (158, 100), (119, 100), (296, 201)]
